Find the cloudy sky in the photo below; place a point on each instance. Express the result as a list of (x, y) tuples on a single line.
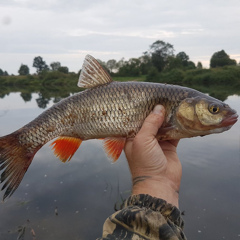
[(67, 30)]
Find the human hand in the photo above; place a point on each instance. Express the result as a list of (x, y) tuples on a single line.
[(155, 167)]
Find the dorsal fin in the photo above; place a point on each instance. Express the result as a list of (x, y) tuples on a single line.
[(92, 74)]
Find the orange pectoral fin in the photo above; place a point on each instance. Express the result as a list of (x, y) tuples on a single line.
[(65, 147), (113, 147)]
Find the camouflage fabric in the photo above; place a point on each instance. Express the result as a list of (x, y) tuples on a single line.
[(144, 217)]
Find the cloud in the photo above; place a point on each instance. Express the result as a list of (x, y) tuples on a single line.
[(114, 28)]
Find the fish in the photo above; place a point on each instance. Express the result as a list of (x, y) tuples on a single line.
[(111, 111)]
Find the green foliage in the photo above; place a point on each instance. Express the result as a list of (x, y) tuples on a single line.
[(55, 85), (40, 65), (173, 62), (26, 96), (130, 68), (12, 82), (191, 65), (50, 76), (160, 56), (145, 63), (152, 75), (160, 52), (23, 70), (3, 73), (199, 65), (226, 76), (55, 66), (174, 76), (111, 65), (63, 69), (220, 59), (183, 57)]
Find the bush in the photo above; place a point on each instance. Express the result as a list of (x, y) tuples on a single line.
[(175, 76), (153, 75), (224, 76)]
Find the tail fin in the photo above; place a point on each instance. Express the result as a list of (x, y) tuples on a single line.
[(14, 162)]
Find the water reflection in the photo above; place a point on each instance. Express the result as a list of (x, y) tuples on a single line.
[(86, 190), (56, 93), (26, 97), (45, 94)]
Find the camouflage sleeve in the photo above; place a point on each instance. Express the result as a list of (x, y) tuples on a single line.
[(144, 217)]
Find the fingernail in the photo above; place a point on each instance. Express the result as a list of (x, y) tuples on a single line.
[(158, 109)]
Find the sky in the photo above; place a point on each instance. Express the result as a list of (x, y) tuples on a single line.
[(66, 31)]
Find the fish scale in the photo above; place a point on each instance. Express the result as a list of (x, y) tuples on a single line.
[(91, 114)]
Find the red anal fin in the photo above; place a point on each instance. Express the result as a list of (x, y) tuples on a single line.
[(113, 147), (65, 147)]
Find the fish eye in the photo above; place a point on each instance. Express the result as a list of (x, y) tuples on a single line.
[(213, 108)]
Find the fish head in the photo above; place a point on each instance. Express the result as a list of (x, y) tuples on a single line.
[(205, 115)]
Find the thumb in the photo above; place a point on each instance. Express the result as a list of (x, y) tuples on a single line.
[(153, 122)]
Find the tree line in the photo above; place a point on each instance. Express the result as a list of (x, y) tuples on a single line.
[(41, 67), (159, 58)]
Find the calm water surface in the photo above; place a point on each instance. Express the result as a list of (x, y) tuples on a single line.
[(72, 200)]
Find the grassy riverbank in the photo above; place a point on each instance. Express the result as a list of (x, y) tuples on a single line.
[(218, 82), (228, 75)]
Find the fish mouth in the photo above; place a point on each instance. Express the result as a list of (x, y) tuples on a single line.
[(228, 121)]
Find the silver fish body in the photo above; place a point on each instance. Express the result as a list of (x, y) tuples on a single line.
[(116, 109), (113, 111)]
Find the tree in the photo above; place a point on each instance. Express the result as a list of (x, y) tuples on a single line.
[(191, 65), (63, 69), (153, 75), (130, 68), (23, 70), (160, 52), (120, 63), (220, 59), (173, 62), (145, 64), (111, 65), (55, 66), (183, 57), (199, 65), (26, 96), (3, 73), (42, 102), (39, 64)]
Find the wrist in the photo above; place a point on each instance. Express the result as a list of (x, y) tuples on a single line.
[(159, 187)]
